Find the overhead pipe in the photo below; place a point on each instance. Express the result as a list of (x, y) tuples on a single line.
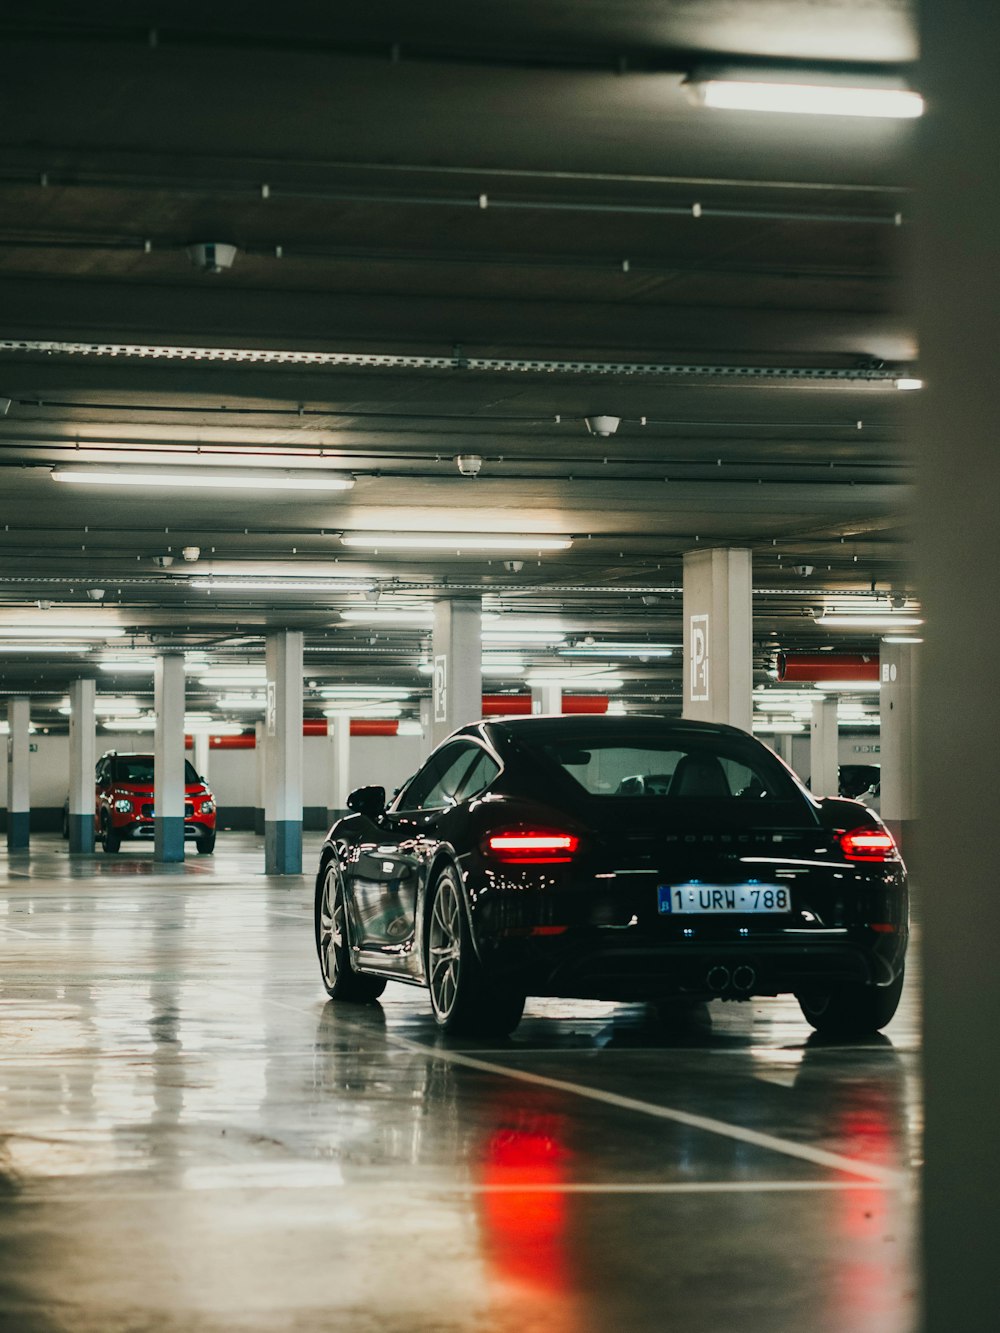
[(828, 666)]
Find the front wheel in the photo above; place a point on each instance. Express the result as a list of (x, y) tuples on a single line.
[(205, 844), (462, 996), (110, 840), (853, 1011), (332, 944)]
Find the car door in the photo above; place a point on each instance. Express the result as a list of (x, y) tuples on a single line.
[(388, 864)]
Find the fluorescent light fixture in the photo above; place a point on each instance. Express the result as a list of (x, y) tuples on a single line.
[(248, 479), (361, 708), (107, 708), (640, 650), (574, 681), (135, 724), (908, 382), (139, 665), (210, 727), (900, 638), (538, 638), (848, 686), (5, 729), (230, 583), (790, 92), (869, 621), (216, 681), (404, 616), (62, 632), (40, 649), (252, 702), (365, 692), (777, 727), (455, 541)]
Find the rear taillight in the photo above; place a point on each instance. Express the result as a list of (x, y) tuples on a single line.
[(532, 846), (868, 844)]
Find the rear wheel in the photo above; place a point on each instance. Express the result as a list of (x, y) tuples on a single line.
[(206, 843), (332, 944), (110, 840), (851, 1011), (463, 998)]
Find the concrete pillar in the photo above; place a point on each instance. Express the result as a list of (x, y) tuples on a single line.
[(168, 757), (338, 734), (18, 775), (898, 699), (954, 429), (458, 664), (783, 745), (283, 774), (426, 727), (546, 698), (824, 749), (201, 748), (718, 637), (82, 763), (260, 760)]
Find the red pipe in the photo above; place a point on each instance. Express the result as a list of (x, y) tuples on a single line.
[(500, 705), (827, 666)]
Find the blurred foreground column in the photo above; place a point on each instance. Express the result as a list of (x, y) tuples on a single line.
[(824, 739), (283, 771), (955, 428), (82, 763), (338, 734), (718, 637), (457, 657)]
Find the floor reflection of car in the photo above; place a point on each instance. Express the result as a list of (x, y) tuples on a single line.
[(124, 802), (611, 858)]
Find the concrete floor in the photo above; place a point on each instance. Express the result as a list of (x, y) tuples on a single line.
[(195, 1139)]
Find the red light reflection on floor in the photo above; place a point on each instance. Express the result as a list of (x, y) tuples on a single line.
[(524, 1208)]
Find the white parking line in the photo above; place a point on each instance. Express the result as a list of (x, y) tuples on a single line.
[(803, 1152)]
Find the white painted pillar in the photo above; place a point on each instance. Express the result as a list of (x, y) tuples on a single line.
[(260, 761), (718, 637), (338, 734), (283, 773), (18, 775), (168, 757), (426, 727), (546, 698), (82, 763), (201, 750), (458, 664), (898, 700), (824, 753)]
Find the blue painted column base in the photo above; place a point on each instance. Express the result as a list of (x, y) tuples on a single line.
[(81, 833), (17, 830), (283, 847), (168, 838)]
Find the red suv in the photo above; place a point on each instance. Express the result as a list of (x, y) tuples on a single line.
[(125, 802)]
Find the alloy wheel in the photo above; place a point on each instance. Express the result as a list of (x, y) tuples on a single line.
[(445, 946), (331, 926)]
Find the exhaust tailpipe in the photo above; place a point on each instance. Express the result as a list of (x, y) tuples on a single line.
[(717, 978), (744, 978)]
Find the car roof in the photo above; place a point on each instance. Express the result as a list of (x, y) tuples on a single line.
[(577, 723)]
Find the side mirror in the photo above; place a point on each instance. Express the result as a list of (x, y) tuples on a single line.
[(368, 801)]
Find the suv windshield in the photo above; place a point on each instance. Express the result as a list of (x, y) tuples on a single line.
[(139, 768)]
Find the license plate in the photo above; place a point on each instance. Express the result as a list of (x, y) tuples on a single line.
[(720, 899)]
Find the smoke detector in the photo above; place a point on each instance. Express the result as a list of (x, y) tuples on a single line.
[(95, 594), (163, 561), (602, 426), (470, 465), (191, 552), (804, 570), (513, 566)]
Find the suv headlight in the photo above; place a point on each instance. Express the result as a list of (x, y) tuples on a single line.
[(123, 805), (207, 807)]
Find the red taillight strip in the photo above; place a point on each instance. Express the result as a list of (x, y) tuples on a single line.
[(868, 844), (532, 846)]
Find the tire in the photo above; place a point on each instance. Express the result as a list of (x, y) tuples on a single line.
[(206, 844), (463, 999), (110, 841), (332, 944), (854, 1011)]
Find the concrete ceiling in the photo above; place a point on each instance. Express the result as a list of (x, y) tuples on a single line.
[(460, 229)]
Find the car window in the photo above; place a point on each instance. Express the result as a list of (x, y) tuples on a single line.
[(437, 784), (479, 777), (139, 768)]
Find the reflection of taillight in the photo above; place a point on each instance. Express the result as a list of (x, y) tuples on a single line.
[(532, 846), (868, 844)]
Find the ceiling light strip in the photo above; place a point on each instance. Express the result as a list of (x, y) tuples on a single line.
[(384, 361)]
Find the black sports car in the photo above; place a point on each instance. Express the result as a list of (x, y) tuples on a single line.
[(630, 858)]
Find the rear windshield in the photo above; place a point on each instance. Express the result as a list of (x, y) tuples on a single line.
[(681, 767), (139, 768)]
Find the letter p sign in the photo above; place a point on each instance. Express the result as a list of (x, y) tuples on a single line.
[(698, 648)]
